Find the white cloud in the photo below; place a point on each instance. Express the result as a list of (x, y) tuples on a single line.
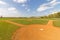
[(53, 1), (42, 8), (8, 10), (46, 6), (9, 13), (11, 9), (20, 1), (2, 2)]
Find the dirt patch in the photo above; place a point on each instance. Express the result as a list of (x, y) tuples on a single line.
[(37, 32)]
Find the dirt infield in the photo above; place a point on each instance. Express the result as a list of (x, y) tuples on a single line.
[(37, 32)]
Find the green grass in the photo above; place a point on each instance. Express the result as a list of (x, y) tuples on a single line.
[(6, 30), (56, 23), (33, 21)]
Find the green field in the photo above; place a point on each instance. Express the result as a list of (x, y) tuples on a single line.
[(6, 30), (30, 21), (56, 23)]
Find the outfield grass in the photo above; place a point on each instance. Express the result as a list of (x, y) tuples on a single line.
[(6, 30), (56, 23), (31, 21)]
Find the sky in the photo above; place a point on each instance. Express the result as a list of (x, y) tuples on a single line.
[(28, 8)]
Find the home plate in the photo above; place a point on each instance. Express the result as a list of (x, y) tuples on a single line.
[(41, 29)]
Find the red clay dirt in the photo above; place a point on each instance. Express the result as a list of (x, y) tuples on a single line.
[(37, 32)]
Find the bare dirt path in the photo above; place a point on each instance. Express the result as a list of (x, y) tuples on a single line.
[(38, 32), (17, 24)]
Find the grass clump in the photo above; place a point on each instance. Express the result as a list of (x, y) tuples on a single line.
[(56, 23)]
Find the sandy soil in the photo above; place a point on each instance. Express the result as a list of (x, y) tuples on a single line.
[(37, 32)]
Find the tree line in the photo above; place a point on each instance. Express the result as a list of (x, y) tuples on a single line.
[(54, 15)]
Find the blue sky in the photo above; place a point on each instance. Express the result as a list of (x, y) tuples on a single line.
[(28, 8)]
